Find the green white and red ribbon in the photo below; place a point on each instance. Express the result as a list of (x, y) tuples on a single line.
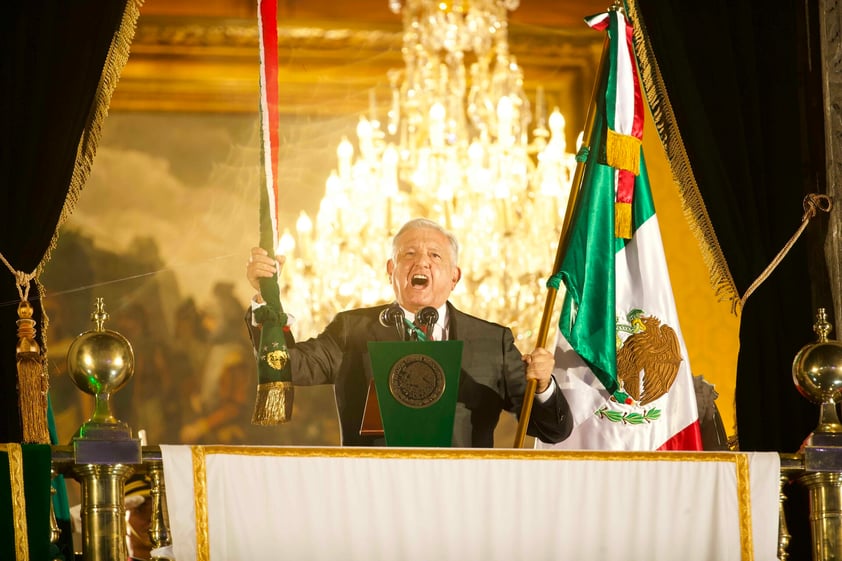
[(275, 390), (269, 121)]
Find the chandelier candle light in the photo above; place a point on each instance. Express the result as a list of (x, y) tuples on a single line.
[(456, 148)]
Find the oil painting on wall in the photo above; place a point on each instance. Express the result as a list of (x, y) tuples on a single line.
[(162, 232)]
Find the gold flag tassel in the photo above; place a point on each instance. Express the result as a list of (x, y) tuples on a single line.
[(273, 404), (623, 220), (622, 151)]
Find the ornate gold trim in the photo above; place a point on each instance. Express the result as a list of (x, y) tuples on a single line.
[(200, 502), (18, 500), (467, 453), (176, 35), (691, 199), (744, 505)]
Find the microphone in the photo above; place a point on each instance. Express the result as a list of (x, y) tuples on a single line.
[(426, 319), (393, 317)]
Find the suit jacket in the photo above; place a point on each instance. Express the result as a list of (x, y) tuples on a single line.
[(491, 380)]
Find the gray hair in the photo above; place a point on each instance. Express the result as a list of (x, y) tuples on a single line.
[(417, 223)]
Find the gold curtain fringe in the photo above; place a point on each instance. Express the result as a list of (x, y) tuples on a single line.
[(622, 151), (32, 380), (691, 199), (115, 60), (45, 324), (273, 404), (623, 220)]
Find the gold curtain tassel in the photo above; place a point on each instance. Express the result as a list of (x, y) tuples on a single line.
[(273, 404), (623, 151), (32, 380)]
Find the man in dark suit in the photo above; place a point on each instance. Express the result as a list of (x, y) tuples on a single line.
[(423, 271)]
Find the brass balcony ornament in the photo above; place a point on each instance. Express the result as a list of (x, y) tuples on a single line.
[(817, 373), (100, 362)]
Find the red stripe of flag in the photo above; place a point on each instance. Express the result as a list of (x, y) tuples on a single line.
[(268, 15)]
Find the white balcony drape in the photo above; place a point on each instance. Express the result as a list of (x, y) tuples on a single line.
[(320, 504)]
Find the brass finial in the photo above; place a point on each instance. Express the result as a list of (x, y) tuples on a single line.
[(100, 362), (822, 327), (817, 374), (99, 316)]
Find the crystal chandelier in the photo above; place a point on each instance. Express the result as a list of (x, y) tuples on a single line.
[(456, 147)]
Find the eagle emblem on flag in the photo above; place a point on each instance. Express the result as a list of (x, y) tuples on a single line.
[(649, 358)]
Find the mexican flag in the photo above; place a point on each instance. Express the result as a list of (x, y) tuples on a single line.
[(620, 356)]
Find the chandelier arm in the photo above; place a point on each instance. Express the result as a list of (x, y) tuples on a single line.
[(549, 305)]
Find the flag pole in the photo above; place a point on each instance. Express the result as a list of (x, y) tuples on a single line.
[(576, 184)]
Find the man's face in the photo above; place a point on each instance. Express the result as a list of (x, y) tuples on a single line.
[(423, 272)]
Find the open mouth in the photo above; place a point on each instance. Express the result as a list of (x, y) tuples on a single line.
[(419, 280)]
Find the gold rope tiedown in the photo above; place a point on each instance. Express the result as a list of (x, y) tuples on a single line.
[(812, 203), (32, 375)]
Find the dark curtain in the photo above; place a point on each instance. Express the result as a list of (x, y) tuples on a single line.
[(55, 59), (743, 82), (738, 76)]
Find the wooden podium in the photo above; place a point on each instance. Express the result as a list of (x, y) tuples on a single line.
[(411, 399), (372, 424)]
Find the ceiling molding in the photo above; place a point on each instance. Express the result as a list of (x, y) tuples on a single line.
[(211, 65)]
